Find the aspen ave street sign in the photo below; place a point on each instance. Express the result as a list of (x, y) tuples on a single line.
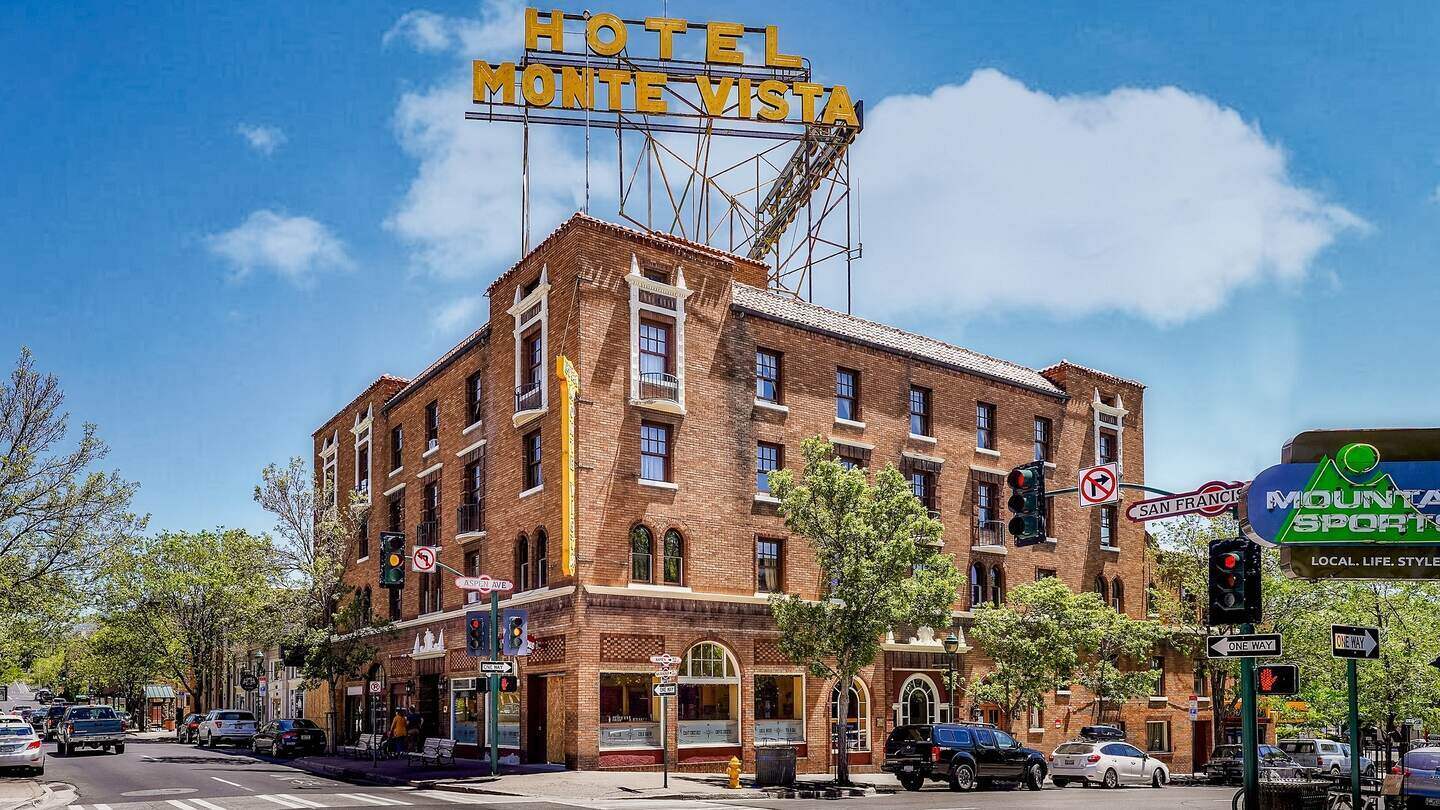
[(423, 559), (483, 583), (1210, 499), (1099, 485), (1262, 645), (497, 667), (664, 659), (1354, 642)]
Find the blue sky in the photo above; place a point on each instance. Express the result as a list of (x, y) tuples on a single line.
[(217, 219)]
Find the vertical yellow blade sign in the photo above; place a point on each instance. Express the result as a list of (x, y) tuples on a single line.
[(569, 520)]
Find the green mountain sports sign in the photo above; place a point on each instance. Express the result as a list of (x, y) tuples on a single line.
[(1349, 497)]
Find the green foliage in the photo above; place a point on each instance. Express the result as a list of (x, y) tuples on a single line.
[(875, 546)]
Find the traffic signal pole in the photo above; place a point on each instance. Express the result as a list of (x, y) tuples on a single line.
[(1352, 681), (1249, 730), (492, 714)]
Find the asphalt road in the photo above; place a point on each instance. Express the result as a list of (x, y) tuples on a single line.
[(165, 776)]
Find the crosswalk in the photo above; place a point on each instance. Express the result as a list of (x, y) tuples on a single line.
[(403, 798)]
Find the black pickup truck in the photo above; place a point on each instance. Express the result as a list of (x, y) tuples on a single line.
[(965, 755)]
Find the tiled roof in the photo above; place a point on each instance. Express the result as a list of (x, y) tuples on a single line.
[(383, 379), (787, 310), (435, 367), (1097, 372)]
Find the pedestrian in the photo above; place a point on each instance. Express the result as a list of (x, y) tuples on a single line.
[(398, 731), (414, 724)]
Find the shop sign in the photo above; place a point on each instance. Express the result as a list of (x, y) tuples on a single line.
[(708, 732), (637, 735), (779, 731)]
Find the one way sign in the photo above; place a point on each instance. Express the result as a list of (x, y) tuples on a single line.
[(1262, 645), (1354, 642)]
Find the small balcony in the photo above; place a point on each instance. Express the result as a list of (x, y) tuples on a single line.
[(990, 535), (427, 533), (470, 518), (528, 397), (658, 386)]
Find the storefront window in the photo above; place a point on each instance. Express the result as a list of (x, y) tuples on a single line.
[(628, 712), (709, 696), (857, 716), (465, 716), (779, 709), (509, 717)]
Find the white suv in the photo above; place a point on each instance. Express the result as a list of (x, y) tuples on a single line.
[(1326, 756), (225, 725), (1110, 764)]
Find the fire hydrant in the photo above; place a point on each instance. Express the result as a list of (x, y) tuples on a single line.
[(734, 770)]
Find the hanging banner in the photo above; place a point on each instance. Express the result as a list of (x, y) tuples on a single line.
[(569, 513)]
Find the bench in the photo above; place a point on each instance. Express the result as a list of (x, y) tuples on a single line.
[(436, 751), (363, 746)]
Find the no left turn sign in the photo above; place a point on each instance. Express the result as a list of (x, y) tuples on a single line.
[(1099, 485), (423, 560)]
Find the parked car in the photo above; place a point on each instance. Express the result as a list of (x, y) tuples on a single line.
[(1108, 764), (90, 727), (289, 737), (1420, 785), (1227, 765), (185, 732), (1325, 756), (20, 745), (51, 719), (1102, 733), (962, 754), (225, 725), (1367, 765)]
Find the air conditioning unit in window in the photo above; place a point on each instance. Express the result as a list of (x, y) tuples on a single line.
[(433, 444)]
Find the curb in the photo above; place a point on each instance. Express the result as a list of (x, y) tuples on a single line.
[(41, 793), (351, 774)]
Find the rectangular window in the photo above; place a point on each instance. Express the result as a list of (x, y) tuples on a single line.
[(531, 445), (362, 468), (432, 424), (1157, 666), (397, 444), (1044, 573), (923, 485), (474, 399), (430, 586), (1107, 526), (655, 345), (779, 709), (654, 451), (1108, 447), (919, 410), (1157, 736), (984, 426), (1042, 438), (397, 511), (767, 375), (472, 498), (768, 565), (1037, 717), (989, 529), (428, 532), (847, 394), (768, 457), (362, 539), (532, 358), (628, 712)]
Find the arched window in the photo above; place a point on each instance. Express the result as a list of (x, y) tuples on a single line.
[(709, 696), (997, 585), (674, 563), (977, 585), (542, 561), (918, 703), (642, 554), (522, 563), (365, 605), (857, 716), (1117, 595), (1101, 589)]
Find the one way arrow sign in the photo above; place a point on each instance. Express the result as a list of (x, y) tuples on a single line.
[(1264, 645), (1354, 642)]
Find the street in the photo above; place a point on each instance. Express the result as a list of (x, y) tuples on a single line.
[(166, 776)]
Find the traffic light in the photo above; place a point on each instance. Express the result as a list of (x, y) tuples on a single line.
[(509, 683), (478, 639), (1277, 679), (1027, 503), (1234, 582), (482, 685), (515, 627), (392, 559)]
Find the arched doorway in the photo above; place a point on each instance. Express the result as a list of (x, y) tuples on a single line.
[(709, 696), (919, 701)]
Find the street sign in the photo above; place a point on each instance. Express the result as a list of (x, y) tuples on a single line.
[(248, 681), (374, 687), (665, 658), (1194, 708), (670, 678), (1099, 485), (484, 584), (423, 559), (1259, 645), (1354, 642), (1210, 499), (497, 667), (664, 689), (1277, 679)]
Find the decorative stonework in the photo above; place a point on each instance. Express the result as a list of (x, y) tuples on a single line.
[(630, 648), (768, 652), (428, 645), (548, 650)]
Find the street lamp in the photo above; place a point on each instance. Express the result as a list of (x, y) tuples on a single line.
[(952, 647)]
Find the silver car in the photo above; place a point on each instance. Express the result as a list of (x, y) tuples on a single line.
[(20, 745), (1106, 763), (1325, 756), (234, 726)]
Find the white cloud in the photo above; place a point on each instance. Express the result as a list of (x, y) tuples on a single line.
[(1158, 203), (460, 215), (296, 248), (463, 312), (262, 138)]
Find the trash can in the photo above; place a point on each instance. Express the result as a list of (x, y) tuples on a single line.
[(774, 765), (1298, 794)]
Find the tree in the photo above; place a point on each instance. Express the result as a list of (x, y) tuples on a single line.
[(1114, 652), (190, 596), (875, 544), (340, 650), (57, 513), (118, 661)]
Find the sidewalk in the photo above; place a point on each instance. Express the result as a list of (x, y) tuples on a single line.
[(21, 793)]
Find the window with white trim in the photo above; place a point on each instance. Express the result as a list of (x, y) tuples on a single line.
[(709, 696), (857, 716), (918, 701)]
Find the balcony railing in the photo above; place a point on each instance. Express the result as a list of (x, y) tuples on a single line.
[(989, 533), (659, 385), (527, 397), (427, 533), (470, 517)]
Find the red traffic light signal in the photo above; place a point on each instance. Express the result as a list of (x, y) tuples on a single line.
[(509, 683), (1021, 477)]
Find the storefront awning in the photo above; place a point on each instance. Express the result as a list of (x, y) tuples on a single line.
[(159, 692)]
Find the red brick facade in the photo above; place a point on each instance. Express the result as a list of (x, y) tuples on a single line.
[(595, 626)]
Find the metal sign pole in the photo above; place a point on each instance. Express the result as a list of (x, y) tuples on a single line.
[(1352, 682), (493, 724), (1249, 733), (665, 742)]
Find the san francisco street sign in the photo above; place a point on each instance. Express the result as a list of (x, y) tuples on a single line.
[(1210, 499), (484, 584), (664, 689), (1354, 642), (497, 667), (1261, 645), (1099, 485)]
